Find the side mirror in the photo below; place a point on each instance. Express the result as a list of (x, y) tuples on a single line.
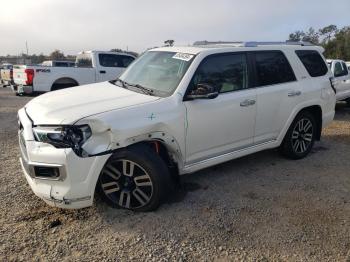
[(203, 91)]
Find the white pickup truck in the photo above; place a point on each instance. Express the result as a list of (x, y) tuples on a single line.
[(55, 63), (341, 74), (90, 67)]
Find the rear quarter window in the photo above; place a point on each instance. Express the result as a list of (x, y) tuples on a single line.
[(313, 62)]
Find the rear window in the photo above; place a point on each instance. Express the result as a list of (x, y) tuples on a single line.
[(111, 60), (313, 62), (84, 60), (272, 67)]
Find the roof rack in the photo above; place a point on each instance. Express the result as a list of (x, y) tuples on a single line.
[(251, 43)]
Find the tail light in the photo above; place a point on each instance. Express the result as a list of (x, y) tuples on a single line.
[(30, 76), (11, 73)]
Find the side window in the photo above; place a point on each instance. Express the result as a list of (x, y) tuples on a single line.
[(338, 69), (61, 64), (109, 60), (125, 61), (226, 72), (313, 62), (272, 67)]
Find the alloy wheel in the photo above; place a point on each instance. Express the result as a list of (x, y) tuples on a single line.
[(302, 135), (126, 184)]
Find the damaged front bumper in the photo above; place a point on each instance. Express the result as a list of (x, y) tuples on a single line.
[(57, 175)]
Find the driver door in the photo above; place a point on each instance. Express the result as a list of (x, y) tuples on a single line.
[(227, 122)]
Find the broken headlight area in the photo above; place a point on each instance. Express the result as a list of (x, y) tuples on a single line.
[(64, 136)]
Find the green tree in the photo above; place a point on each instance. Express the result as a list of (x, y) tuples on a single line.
[(339, 46), (169, 42), (328, 32), (335, 42)]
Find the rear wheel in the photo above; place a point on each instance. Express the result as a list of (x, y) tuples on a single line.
[(300, 137), (134, 178)]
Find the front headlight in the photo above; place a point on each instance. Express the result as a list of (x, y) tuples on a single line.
[(64, 136)]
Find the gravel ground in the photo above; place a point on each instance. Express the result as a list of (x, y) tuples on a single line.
[(256, 208)]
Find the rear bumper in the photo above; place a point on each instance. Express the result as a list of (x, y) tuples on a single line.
[(22, 89)]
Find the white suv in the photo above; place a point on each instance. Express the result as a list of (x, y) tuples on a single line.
[(174, 111)]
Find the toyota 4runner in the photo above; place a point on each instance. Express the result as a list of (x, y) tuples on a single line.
[(175, 110)]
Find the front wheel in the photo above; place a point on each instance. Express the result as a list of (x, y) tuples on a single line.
[(300, 137), (134, 178)]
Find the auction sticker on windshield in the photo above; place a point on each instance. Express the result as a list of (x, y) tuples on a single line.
[(183, 56)]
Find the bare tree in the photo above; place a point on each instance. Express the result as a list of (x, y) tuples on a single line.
[(57, 55), (297, 36)]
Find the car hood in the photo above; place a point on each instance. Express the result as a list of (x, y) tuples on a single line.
[(69, 105)]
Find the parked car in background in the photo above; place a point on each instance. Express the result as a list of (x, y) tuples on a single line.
[(174, 111), (55, 63), (90, 67), (6, 73), (341, 74), (348, 64)]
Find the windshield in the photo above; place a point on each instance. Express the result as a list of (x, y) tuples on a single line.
[(158, 71)]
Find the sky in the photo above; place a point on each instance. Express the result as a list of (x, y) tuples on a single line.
[(75, 25)]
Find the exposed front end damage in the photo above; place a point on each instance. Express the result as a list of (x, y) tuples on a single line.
[(106, 140), (63, 169)]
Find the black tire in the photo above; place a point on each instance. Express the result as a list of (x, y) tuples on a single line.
[(300, 136), (145, 163)]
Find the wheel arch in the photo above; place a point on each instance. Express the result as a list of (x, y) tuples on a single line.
[(315, 110), (64, 80), (168, 150)]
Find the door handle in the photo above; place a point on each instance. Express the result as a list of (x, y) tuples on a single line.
[(294, 93), (102, 72), (247, 102)]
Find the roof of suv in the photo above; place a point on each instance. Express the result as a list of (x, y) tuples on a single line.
[(238, 46)]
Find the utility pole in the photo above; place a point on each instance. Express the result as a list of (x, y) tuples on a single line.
[(27, 48)]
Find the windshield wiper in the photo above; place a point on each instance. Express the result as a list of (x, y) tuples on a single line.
[(145, 90), (120, 81)]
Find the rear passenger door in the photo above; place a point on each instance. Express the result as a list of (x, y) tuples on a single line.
[(278, 93), (112, 65)]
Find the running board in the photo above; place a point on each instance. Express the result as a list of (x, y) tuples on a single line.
[(228, 156)]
